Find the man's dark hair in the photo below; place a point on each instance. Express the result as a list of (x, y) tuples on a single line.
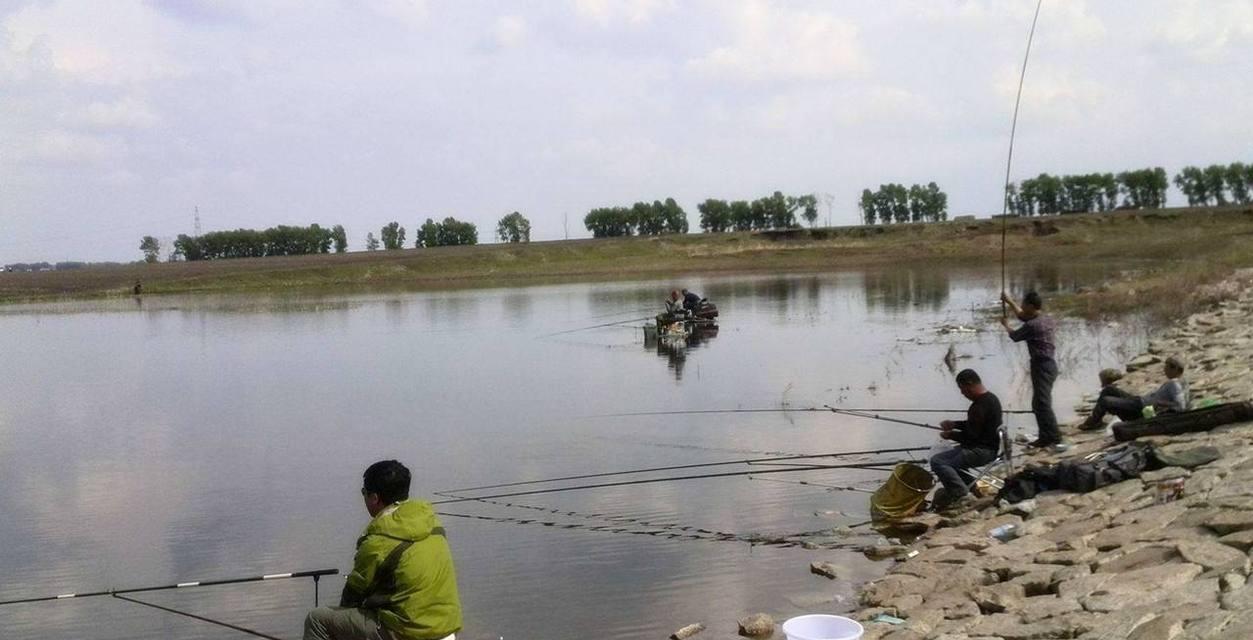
[(967, 377), (389, 479), (1033, 298)]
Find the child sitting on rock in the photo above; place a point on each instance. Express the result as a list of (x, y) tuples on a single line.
[(1171, 397)]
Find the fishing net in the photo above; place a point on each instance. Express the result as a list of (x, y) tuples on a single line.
[(902, 495)]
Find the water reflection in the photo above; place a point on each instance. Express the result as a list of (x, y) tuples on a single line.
[(674, 349), (902, 289), (208, 437)]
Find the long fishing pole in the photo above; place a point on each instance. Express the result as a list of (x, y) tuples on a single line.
[(628, 483), (677, 467), (1009, 159), (595, 326), (251, 632), (316, 574), (824, 409), (875, 416)]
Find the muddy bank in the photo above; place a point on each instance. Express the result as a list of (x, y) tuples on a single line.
[(1112, 563)]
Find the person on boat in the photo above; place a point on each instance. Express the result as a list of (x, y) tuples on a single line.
[(1172, 397), (977, 438), (403, 585), (1037, 330), (691, 301), (675, 303)]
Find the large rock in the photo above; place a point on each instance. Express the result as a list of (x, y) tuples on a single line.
[(824, 569), (1041, 607), (1024, 547), (1076, 530), (756, 625), (894, 586), (1242, 540), (1214, 556), (1132, 558), (1159, 628), (687, 631), (1230, 521), (1071, 557), (998, 598)]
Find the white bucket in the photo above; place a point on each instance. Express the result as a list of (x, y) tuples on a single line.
[(822, 627)]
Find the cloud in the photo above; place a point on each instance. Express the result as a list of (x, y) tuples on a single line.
[(1208, 31), (126, 113), (413, 13), (509, 31), (60, 146), (770, 42), (606, 12), (138, 44)]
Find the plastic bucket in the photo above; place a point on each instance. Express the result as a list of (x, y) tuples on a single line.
[(820, 626), (903, 493)]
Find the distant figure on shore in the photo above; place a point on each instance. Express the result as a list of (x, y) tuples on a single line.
[(402, 585), (1172, 397), (139, 288), (691, 301), (977, 438), (1037, 330)]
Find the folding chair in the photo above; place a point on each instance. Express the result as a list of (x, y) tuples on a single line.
[(999, 469)]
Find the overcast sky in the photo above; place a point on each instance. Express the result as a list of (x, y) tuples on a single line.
[(118, 117)]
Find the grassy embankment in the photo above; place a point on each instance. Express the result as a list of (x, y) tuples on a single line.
[(1183, 250)]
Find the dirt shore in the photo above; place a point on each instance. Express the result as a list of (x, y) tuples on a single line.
[(1176, 248), (1111, 563)]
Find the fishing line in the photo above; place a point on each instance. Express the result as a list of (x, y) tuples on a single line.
[(628, 483), (677, 467), (595, 326), (228, 625), (685, 412), (1009, 159)]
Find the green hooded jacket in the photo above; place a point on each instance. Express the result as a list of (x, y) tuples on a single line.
[(422, 602)]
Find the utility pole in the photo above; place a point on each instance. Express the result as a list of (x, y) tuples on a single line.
[(565, 223), (828, 199), (197, 221)]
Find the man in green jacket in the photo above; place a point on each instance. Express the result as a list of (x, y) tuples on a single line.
[(402, 585)]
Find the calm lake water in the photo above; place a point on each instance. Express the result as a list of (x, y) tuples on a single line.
[(210, 437)]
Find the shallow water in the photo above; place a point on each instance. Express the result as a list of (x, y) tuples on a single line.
[(173, 439)]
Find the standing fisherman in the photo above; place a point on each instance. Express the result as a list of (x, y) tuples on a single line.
[(1037, 329)]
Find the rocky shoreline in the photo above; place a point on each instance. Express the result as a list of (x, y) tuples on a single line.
[(1114, 562)]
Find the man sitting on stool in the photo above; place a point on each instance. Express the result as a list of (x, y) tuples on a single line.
[(976, 437)]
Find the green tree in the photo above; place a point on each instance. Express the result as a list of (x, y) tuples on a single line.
[(867, 206), (715, 215), (742, 215), (610, 222), (918, 210), (1216, 184), (393, 236), (1191, 181), (340, 237), (674, 218), (371, 243), (513, 228), (808, 207), (151, 248)]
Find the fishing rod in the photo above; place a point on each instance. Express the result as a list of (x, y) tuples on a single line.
[(316, 575), (875, 416), (595, 326), (251, 632), (628, 483), (677, 467), (1009, 158), (806, 483), (823, 409)]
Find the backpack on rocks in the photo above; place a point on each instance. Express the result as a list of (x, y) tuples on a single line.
[(1109, 467)]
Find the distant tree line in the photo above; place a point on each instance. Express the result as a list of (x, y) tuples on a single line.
[(449, 232), (1047, 194), (282, 240), (1216, 184), (894, 202), (67, 265), (641, 218), (775, 211)]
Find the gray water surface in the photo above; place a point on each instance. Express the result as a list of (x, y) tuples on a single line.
[(188, 438)]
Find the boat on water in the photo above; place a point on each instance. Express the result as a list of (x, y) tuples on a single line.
[(682, 324)]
